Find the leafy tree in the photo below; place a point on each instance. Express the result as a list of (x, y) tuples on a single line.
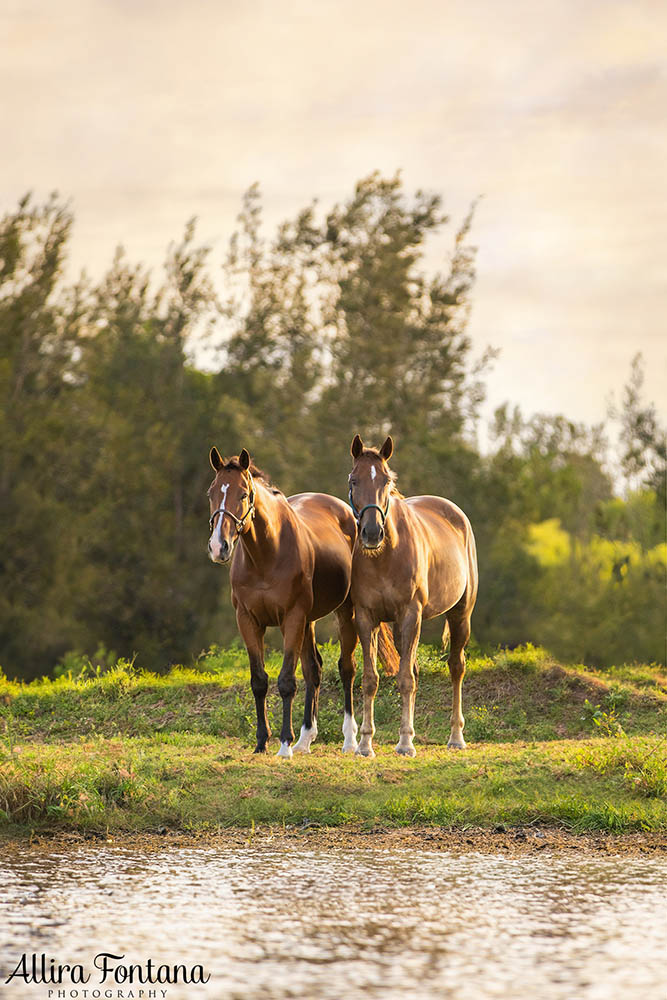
[(38, 334), (643, 441), (331, 327)]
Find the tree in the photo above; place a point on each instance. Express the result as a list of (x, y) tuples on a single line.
[(643, 441), (39, 329)]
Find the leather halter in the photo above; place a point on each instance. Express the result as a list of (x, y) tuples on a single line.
[(358, 514), (240, 522)]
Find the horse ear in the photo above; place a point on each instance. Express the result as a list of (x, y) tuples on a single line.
[(244, 459), (356, 447), (215, 460), (387, 449)]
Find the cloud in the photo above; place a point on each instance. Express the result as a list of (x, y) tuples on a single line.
[(148, 112)]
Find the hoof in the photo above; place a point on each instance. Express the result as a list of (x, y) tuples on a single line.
[(364, 751), (285, 751), (350, 747), (260, 749), (457, 744), (406, 751), (305, 739)]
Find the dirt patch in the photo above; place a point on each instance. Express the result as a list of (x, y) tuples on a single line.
[(498, 840)]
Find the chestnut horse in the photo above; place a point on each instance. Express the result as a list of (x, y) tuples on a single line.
[(291, 564), (414, 559)]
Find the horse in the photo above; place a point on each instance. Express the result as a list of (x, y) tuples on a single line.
[(414, 558), (291, 564)]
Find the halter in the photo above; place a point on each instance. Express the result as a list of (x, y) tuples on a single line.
[(358, 514), (240, 522)]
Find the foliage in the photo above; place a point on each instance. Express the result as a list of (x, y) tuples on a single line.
[(333, 326)]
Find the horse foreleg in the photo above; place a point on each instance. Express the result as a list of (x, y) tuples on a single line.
[(459, 628), (311, 664), (347, 669), (293, 630), (368, 636), (410, 626), (253, 637)]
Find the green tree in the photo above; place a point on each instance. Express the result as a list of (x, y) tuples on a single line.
[(643, 440), (39, 328)]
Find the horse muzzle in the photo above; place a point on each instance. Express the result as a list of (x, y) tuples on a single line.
[(371, 541), (221, 554)]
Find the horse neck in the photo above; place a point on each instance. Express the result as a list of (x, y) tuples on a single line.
[(392, 521), (261, 539)]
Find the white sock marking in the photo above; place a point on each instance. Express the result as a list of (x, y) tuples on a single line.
[(285, 751), (305, 739), (350, 733)]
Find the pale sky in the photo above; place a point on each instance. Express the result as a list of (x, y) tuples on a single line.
[(146, 112)]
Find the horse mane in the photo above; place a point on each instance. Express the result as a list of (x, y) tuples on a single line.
[(394, 492), (254, 470)]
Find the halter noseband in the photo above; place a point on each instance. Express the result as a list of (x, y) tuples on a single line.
[(358, 514), (240, 522)]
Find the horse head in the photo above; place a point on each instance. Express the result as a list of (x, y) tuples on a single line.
[(370, 486), (232, 503)]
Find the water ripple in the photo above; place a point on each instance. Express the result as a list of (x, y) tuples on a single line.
[(343, 924)]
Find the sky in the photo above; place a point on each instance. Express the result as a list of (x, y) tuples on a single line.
[(143, 113)]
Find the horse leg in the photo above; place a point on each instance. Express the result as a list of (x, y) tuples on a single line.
[(293, 629), (459, 627), (347, 669), (410, 627), (368, 636), (253, 637), (396, 630), (311, 664)]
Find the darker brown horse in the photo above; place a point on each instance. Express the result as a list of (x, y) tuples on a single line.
[(291, 564), (414, 559)]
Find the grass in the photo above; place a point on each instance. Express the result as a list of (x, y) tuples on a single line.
[(127, 750)]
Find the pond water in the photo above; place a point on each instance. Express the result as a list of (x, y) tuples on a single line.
[(339, 924)]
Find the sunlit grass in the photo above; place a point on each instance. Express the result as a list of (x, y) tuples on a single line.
[(130, 750), (191, 782), (519, 694)]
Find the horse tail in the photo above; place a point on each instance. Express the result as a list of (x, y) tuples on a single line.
[(446, 637), (387, 651)]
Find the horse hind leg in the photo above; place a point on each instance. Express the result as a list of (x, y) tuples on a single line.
[(347, 668), (311, 664), (459, 633)]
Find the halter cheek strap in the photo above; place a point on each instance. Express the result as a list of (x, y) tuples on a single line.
[(240, 522), (369, 506)]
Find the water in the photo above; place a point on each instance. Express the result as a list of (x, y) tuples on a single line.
[(341, 924)]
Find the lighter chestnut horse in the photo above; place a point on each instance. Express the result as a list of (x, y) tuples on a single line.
[(291, 564), (414, 559)]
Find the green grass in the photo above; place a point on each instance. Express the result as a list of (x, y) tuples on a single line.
[(126, 750)]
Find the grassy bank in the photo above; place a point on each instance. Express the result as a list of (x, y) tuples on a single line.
[(133, 751)]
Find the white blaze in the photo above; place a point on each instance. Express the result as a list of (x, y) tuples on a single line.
[(216, 537), (373, 472)]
